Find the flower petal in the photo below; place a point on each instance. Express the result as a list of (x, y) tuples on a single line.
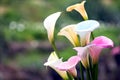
[(94, 52), (83, 54), (49, 24), (53, 60), (68, 32), (73, 71), (69, 65), (88, 25), (80, 8), (103, 42)]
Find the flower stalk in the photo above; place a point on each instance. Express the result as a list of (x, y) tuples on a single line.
[(88, 74), (55, 48), (70, 77), (92, 35), (95, 71), (81, 71)]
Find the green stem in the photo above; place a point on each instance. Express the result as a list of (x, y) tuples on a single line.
[(81, 72), (92, 35), (70, 77), (91, 67), (95, 71), (88, 74), (54, 47)]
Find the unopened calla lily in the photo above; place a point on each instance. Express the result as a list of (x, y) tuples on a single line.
[(49, 24), (52, 61), (80, 8), (68, 32)]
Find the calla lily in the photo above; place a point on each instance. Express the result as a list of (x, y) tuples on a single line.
[(52, 61), (93, 49), (84, 30), (68, 32), (80, 8), (97, 45), (49, 24), (83, 54), (69, 65)]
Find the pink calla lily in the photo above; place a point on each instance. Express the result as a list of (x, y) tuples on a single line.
[(98, 44), (69, 65), (82, 52), (93, 49)]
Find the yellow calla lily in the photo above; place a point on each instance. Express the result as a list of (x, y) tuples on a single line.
[(80, 8), (53, 61), (68, 32), (49, 24)]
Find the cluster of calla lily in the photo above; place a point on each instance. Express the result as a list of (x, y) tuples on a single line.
[(88, 52)]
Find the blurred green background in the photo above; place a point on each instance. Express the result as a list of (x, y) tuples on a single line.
[(23, 40)]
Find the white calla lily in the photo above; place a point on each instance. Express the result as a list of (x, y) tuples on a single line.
[(49, 24), (53, 61), (84, 29)]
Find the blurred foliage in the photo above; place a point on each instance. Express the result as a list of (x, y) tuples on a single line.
[(110, 31), (37, 10), (30, 12), (32, 60), (26, 31)]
